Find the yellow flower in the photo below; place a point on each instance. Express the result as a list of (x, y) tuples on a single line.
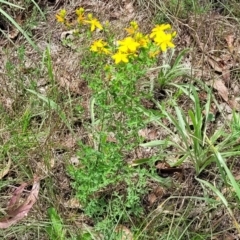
[(61, 16), (127, 45), (133, 28), (163, 40), (80, 14), (120, 57), (99, 46), (141, 39), (159, 29), (94, 23)]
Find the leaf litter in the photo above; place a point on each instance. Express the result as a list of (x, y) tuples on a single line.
[(19, 208)]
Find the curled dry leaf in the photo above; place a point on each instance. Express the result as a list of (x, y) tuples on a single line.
[(16, 210)]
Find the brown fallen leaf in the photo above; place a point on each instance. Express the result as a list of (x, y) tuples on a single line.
[(221, 88), (234, 104), (152, 198), (222, 65), (215, 64), (16, 210)]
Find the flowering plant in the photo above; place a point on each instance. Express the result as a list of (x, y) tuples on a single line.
[(113, 68)]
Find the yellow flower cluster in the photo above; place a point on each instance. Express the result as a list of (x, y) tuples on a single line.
[(81, 19), (100, 47), (160, 38)]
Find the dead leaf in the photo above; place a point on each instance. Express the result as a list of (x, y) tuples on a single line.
[(159, 191), (148, 133), (230, 39), (221, 88), (152, 198), (225, 107), (72, 203), (222, 65), (162, 165), (215, 65), (6, 169), (13, 34), (234, 104), (16, 210)]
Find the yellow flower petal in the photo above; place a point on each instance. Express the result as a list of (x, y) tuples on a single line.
[(163, 40), (100, 47), (158, 29), (94, 24), (128, 44), (120, 57)]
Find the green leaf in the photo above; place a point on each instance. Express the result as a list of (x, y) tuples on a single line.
[(56, 231), (156, 143)]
